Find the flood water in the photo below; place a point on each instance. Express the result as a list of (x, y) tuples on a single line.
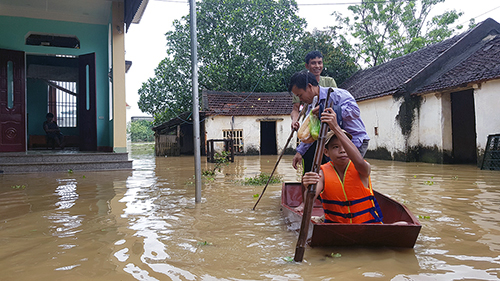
[(145, 225)]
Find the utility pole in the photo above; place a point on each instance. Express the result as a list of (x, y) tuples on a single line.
[(196, 113)]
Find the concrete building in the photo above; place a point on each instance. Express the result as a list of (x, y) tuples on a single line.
[(66, 57), (258, 123), (438, 104)]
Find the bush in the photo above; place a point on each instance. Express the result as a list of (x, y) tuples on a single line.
[(261, 179), (140, 131)]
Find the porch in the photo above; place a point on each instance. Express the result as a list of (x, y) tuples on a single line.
[(42, 161)]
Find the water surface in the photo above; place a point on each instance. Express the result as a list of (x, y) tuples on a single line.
[(145, 225)]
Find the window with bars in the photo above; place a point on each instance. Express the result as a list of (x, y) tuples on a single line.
[(62, 102), (237, 139)]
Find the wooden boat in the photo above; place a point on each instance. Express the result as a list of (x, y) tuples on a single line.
[(400, 228)]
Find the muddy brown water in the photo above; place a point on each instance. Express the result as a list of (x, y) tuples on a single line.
[(145, 225)]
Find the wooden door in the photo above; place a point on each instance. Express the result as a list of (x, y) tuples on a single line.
[(268, 138), (463, 118), (87, 120), (12, 101)]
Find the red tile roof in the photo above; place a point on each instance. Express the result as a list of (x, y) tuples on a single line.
[(246, 104)]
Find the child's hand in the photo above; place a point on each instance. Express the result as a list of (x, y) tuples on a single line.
[(330, 117), (310, 178)]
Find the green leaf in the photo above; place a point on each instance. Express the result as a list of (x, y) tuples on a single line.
[(335, 255)]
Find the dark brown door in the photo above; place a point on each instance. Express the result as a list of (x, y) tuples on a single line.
[(87, 120), (12, 101), (268, 138), (463, 118)]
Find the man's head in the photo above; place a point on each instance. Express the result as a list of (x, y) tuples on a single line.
[(314, 63), (304, 85), (49, 116)]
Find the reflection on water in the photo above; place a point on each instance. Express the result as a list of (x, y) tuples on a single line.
[(145, 225)]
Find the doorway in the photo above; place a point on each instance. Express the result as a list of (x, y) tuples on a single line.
[(33, 85), (65, 86), (463, 118), (268, 138)]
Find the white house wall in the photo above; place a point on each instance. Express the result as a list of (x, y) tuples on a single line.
[(381, 113), (487, 105), (431, 127), (433, 120), (214, 126)]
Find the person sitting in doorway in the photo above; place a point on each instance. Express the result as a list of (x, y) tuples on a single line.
[(344, 183), (54, 135)]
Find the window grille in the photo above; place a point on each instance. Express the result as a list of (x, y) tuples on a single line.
[(62, 102), (237, 139)]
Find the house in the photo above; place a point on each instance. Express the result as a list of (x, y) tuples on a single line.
[(438, 104), (66, 57), (258, 123)]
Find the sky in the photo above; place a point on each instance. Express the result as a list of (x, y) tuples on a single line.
[(145, 43)]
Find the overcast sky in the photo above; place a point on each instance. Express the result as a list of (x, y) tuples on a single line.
[(145, 42)]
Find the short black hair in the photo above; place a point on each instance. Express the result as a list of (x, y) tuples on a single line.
[(301, 79), (312, 55), (49, 115)]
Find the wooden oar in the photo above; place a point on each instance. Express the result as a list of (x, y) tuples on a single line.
[(276, 165), (272, 173), (311, 190)]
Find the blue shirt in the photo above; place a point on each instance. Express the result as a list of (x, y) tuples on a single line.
[(351, 119)]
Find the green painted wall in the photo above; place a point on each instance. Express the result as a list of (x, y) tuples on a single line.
[(93, 39), (36, 106)]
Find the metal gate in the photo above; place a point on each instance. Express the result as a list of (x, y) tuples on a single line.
[(491, 159)]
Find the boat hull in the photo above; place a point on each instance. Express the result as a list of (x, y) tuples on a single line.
[(400, 228)]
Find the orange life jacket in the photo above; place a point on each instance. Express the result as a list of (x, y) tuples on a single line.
[(349, 201)]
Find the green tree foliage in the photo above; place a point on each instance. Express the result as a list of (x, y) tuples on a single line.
[(243, 45), (389, 29), (140, 131)]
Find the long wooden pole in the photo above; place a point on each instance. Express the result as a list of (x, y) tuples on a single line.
[(311, 191), (274, 169), (277, 162)]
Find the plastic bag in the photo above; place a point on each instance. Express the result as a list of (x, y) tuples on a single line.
[(309, 130), (314, 125)]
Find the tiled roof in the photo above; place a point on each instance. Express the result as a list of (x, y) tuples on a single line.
[(482, 65), (246, 104), (468, 57)]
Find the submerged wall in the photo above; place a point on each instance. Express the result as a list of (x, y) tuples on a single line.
[(430, 138)]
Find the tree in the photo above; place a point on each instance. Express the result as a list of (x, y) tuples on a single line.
[(244, 45), (140, 131), (389, 29)]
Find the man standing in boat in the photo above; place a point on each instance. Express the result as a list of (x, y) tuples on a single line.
[(344, 183), (304, 85), (314, 64)]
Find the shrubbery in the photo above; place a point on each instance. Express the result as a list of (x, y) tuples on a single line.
[(140, 131)]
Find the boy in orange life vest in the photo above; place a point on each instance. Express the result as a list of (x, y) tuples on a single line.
[(344, 183)]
